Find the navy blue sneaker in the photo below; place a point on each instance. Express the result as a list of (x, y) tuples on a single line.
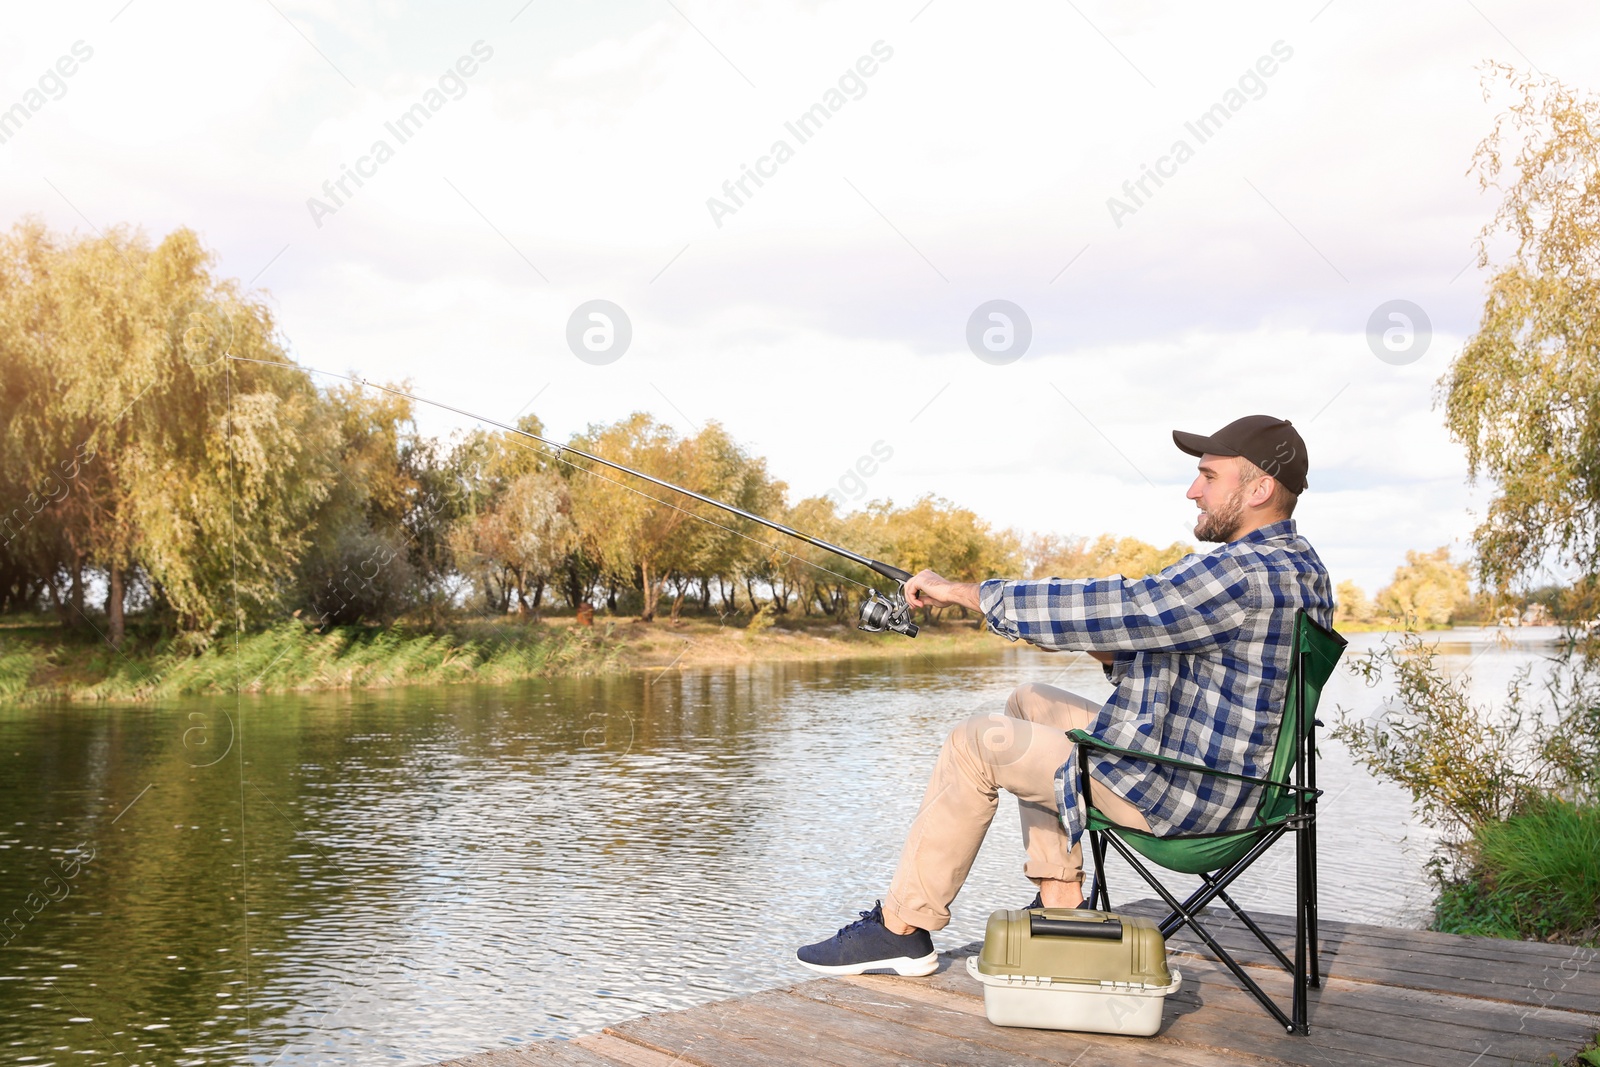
[(867, 945)]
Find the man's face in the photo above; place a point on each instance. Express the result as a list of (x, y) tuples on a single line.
[(1220, 498)]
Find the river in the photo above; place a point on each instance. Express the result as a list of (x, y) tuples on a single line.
[(407, 875)]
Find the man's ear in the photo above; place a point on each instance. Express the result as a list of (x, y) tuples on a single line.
[(1262, 491)]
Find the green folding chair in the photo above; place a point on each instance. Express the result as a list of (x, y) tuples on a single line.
[(1284, 806)]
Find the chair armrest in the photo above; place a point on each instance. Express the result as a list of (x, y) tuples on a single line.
[(1085, 741)]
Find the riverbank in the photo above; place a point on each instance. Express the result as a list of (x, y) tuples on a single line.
[(43, 664)]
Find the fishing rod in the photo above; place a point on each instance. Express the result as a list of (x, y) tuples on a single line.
[(879, 612)]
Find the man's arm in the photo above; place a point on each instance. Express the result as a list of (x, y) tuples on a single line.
[(1195, 604), (930, 589)]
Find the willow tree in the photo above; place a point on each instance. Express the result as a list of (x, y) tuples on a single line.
[(196, 475), (1523, 397), (361, 561), (41, 456)]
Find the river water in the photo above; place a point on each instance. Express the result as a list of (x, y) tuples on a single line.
[(408, 875)]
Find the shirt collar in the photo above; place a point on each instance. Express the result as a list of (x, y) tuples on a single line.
[(1273, 531)]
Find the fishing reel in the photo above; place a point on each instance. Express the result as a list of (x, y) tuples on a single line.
[(880, 613)]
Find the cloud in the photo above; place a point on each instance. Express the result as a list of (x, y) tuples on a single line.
[(832, 306)]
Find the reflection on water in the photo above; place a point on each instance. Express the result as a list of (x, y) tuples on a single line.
[(416, 874)]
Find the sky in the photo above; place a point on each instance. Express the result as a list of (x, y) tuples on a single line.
[(1304, 167)]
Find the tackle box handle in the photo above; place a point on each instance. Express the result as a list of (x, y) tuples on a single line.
[(1103, 929)]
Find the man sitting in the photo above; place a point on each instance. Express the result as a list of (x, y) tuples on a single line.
[(1200, 657)]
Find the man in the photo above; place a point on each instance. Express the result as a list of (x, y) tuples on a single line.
[(1199, 655)]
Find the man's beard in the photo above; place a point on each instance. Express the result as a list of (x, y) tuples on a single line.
[(1222, 524)]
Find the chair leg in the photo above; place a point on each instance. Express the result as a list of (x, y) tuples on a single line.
[(1303, 947), (1211, 886), (1097, 845), (1261, 934), (1315, 977), (1205, 935)]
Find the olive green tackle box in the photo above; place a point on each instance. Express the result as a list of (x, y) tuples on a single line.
[(1071, 969)]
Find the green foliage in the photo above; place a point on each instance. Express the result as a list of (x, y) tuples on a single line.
[(626, 527), (357, 565), (17, 667), (1468, 766), (1462, 763), (1532, 876), (1429, 589)]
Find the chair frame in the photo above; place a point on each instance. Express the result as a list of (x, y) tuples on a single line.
[(1305, 969)]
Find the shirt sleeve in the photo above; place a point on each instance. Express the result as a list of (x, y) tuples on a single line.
[(1197, 603)]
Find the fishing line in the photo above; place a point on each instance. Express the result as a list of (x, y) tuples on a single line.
[(559, 451)]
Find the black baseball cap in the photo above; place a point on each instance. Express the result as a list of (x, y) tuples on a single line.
[(1272, 444)]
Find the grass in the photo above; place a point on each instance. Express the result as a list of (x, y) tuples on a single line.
[(40, 663), (1588, 1056), (292, 657), (1533, 876)]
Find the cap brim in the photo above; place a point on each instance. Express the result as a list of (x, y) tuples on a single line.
[(1198, 444)]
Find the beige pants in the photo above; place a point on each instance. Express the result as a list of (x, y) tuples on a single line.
[(1019, 752)]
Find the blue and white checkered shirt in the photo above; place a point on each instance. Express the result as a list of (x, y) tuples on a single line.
[(1202, 668)]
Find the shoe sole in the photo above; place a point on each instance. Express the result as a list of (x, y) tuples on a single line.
[(901, 965)]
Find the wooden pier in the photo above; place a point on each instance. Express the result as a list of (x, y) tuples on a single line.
[(1389, 996)]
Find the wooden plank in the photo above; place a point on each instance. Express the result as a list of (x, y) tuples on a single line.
[(763, 1030), (1433, 942), (552, 1053), (624, 1053), (1357, 1021), (1263, 1041), (1545, 981), (1578, 963), (895, 1030), (1369, 1019), (961, 1019)]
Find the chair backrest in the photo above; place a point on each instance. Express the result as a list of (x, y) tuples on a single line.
[(1315, 653)]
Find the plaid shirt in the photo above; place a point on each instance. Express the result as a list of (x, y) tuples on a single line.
[(1202, 665)]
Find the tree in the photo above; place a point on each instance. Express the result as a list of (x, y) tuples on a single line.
[(526, 536), (630, 526), (713, 463), (828, 580), (1427, 588), (1523, 397), (359, 563), (1055, 556), (953, 541), (1352, 605), (193, 476)]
